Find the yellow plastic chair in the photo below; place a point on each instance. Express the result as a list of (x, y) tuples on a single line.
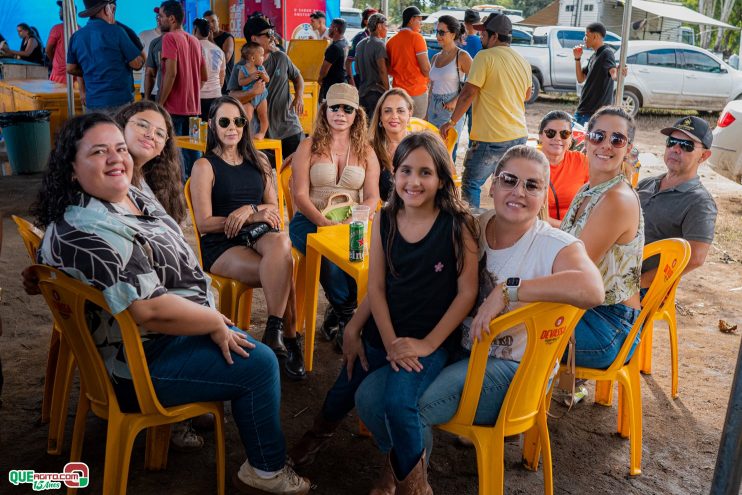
[(67, 300), (549, 326), (417, 125), (235, 298), (666, 312), (299, 260), (674, 256), (60, 364)]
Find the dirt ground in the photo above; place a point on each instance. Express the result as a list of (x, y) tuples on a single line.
[(680, 437)]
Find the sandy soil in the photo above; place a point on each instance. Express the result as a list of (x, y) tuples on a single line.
[(681, 436)]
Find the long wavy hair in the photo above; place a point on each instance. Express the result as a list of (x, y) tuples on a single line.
[(322, 135), (379, 139), (447, 198), (162, 173), (58, 190), (245, 146)]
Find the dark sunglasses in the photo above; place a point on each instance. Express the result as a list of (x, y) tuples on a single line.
[(508, 182), (225, 121), (564, 134), (685, 144), (441, 33), (346, 108), (268, 33), (618, 140)]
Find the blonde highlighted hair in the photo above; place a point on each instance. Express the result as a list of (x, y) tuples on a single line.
[(379, 140), (322, 135)]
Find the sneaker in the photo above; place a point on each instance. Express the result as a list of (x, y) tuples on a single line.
[(285, 482), (184, 438)]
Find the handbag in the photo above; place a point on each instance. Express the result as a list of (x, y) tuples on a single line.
[(249, 234), (340, 211), (458, 75)]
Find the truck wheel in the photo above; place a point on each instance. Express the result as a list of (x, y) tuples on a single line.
[(631, 102), (536, 89)]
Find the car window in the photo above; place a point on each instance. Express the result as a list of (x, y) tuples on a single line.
[(700, 62), (609, 38), (570, 39), (638, 59), (664, 57), (352, 18), (521, 37)]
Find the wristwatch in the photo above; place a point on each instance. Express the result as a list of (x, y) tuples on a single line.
[(450, 121), (511, 285)]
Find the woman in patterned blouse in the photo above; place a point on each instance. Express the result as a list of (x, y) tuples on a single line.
[(112, 236)]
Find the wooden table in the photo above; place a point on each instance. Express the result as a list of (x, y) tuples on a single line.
[(332, 243), (185, 142)]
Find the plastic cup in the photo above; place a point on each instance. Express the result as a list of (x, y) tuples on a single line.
[(360, 213)]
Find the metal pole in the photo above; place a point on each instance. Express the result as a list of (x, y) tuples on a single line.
[(625, 30), (385, 8), (728, 471), (70, 26)]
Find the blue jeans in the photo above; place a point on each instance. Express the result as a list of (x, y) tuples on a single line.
[(339, 287), (187, 157), (398, 426), (437, 115), (193, 369), (468, 120), (440, 401), (601, 332), (582, 118), (480, 162)]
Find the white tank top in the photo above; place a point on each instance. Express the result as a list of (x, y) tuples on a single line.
[(445, 80)]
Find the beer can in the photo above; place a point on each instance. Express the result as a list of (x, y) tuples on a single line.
[(203, 130), (193, 128), (356, 241)]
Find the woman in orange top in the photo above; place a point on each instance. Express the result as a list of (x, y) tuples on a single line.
[(569, 170)]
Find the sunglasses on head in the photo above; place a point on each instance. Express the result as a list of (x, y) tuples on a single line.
[(508, 182), (617, 139), (225, 121), (346, 108), (685, 144), (564, 134), (440, 32)]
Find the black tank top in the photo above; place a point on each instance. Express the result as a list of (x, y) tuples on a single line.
[(234, 186), (36, 57), (425, 283)]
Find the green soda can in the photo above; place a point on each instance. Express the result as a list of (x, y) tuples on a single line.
[(356, 241)]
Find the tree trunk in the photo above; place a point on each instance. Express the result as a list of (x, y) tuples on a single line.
[(707, 8), (726, 11)]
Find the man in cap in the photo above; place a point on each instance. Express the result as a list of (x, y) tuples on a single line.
[(332, 70), (96, 52), (223, 40), (408, 60), (361, 35), (318, 20), (55, 50), (499, 84), (371, 63), (283, 110), (676, 204)]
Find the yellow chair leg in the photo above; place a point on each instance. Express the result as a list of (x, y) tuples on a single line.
[(157, 446), (221, 463), (491, 465), (310, 308), (604, 392), (673, 327), (635, 422), (60, 398), (51, 369), (78, 432), (119, 442), (645, 351), (546, 449), (531, 449)]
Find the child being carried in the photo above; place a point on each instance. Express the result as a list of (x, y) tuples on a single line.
[(250, 73)]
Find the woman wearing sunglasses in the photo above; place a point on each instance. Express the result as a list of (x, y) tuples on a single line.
[(569, 169), (606, 216), (336, 159), (232, 191)]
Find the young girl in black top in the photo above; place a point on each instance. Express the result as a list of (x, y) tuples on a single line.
[(422, 283)]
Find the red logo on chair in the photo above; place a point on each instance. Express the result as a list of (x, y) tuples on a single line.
[(552, 334), (63, 309), (559, 321), (669, 270)]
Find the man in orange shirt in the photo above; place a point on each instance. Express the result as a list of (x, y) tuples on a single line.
[(408, 60)]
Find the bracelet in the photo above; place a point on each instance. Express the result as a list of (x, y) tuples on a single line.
[(450, 121), (577, 59), (254, 209), (505, 298)]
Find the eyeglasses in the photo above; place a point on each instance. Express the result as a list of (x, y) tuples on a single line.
[(268, 33), (564, 134), (618, 140), (439, 32), (346, 108), (145, 127), (508, 182), (685, 144), (225, 121)]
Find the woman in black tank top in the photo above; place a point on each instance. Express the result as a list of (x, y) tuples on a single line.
[(31, 49), (232, 188)]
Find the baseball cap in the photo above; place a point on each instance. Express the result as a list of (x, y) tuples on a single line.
[(495, 23), (693, 127), (342, 94), (156, 10), (472, 16), (318, 14), (409, 13)]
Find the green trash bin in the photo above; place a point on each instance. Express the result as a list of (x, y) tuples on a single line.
[(27, 140)]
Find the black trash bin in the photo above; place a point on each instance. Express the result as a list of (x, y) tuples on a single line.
[(27, 138)]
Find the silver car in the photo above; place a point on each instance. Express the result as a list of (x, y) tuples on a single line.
[(726, 149)]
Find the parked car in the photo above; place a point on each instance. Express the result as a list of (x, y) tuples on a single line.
[(667, 74), (353, 18), (726, 149)]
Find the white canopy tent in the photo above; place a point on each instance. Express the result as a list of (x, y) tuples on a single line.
[(677, 12)]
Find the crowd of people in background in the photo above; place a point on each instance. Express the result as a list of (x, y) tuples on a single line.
[(566, 225)]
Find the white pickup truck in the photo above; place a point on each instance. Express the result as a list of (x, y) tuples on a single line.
[(551, 58)]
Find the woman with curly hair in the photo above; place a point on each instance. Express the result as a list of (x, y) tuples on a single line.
[(337, 158), (388, 128), (149, 135), (143, 264)]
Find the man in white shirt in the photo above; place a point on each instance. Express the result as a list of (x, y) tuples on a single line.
[(318, 21)]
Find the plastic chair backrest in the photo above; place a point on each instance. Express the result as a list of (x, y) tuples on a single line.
[(67, 299), (674, 255), (286, 186), (417, 125), (189, 202), (549, 326), (30, 234)]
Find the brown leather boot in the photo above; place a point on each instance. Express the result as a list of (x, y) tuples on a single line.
[(416, 483), (385, 485), (312, 442)]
